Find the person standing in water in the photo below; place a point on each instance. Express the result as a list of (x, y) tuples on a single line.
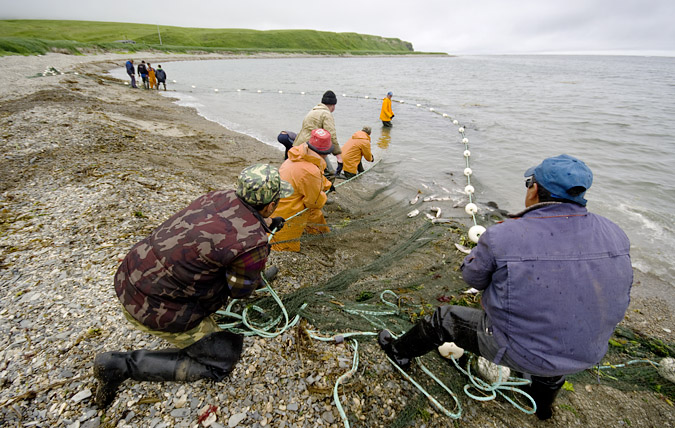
[(387, 114)]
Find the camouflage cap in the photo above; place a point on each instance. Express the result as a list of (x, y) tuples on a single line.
[(261, 184)]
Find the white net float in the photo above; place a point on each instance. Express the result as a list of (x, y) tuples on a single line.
[(475, 232), (467, 153), (302, 93), (259, 91), (215, 90), (450, 350), (455, 122), (667, 368), (344, 95), (469, 189), (431, 109), (281, 92), (471, 208), (468, 172), (461, 129), (465, 140), (445, 115), (238, 90), (193, 86), (418, 105), (366, 97)]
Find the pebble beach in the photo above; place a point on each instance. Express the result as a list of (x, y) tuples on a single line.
[(89, 167)]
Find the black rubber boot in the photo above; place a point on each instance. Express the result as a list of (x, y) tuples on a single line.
[(113, 368), (414, 343), (110, 369), (212, 357), (544, 391), (447, 324)]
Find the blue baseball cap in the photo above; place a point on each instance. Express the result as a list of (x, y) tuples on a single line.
[(564, 176)]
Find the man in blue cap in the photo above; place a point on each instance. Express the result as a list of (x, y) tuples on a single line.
[(556, 281)]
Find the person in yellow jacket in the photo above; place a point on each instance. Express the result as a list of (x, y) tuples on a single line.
[(151, 77), (387, 114), (354, 149), (304, 170), (321, 117)]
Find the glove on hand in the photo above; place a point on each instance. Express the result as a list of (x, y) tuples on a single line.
[(277, 223)]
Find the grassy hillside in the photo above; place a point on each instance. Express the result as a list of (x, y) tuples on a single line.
[(28, 37)]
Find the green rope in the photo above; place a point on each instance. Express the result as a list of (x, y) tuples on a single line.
[(260, 330), (336, 396)]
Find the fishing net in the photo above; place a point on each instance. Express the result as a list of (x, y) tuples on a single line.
[(383, 269), (631, 364), (385, 266)]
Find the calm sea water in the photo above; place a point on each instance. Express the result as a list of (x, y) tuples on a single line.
[(615, 113)]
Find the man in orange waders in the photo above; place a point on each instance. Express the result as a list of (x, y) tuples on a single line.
[(304, 170)]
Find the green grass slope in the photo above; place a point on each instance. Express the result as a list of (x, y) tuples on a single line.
[(27, 37)]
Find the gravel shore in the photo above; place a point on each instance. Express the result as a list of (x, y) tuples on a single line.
[(88, 168)]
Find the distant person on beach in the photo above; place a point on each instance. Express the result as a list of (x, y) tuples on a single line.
[(161, 76), (354, 149), (152, 80), (171, 283), (143, 72), (386, 113), (304, 170), (286, 138), (131, 72), (556, 281), (321, 116)]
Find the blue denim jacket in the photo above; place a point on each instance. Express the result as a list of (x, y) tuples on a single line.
[(555, 283)]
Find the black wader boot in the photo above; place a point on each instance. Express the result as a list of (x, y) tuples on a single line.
[(447, 324), (544, 390), (212, 357)]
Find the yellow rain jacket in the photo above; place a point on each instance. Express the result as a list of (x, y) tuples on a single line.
[(304, 170), (318, 117), (357, 146), (386, 113), (152, 80)]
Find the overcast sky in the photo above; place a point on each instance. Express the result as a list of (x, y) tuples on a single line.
[(457, 27)]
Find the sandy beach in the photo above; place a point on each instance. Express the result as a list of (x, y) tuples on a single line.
[(90, 166)]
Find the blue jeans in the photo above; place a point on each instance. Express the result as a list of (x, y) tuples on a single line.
[(133, 81)]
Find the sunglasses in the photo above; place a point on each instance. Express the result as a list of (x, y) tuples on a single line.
[(529, 181)]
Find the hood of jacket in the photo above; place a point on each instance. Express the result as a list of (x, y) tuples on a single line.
[(360, 135), (303, 153)]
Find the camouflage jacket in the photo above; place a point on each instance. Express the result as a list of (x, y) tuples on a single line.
[(179, 274)]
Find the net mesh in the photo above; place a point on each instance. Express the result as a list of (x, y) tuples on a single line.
[(374, 247)]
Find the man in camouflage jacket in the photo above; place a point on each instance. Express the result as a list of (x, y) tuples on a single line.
[(171, 283)]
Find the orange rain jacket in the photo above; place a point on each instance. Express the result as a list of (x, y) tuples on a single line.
[(353, 149), (152, 80), (386, 113), (304, 170)]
